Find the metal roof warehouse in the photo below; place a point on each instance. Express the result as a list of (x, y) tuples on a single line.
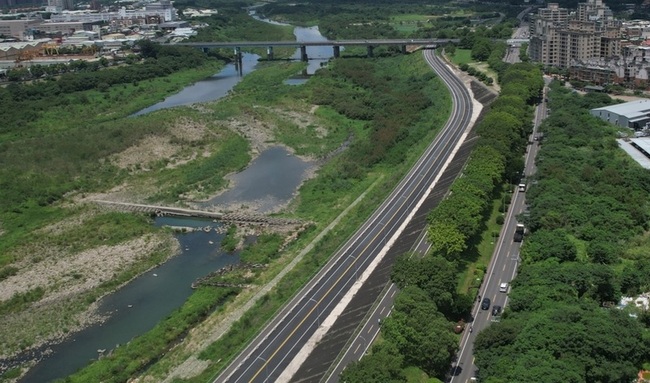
[(633, 115)]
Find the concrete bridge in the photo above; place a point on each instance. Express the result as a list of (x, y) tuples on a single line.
[(335, 44)]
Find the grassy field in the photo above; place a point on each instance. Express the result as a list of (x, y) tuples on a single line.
[(410, 22), (462, 56)]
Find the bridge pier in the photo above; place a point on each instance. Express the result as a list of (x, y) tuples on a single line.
[(269, 53), (238, 61), (205, 50), (371, 51), (337, 51), (404, 49), (303, 53)]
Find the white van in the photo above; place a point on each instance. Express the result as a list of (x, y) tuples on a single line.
[(503, 288)]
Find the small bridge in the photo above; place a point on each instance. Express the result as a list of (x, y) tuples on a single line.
[(517, 42), (335, 44), (182, 212)]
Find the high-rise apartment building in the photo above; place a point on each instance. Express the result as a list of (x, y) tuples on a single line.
[(558, 36), (56, 6)]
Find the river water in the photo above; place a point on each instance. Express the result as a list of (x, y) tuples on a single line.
[(271, 180), (276, 170)]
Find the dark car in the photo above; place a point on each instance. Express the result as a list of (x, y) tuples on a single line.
[(485, 305), (496, 310)]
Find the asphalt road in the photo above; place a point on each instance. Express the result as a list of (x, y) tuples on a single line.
[(266, 357), (502, 267), (363, 339)]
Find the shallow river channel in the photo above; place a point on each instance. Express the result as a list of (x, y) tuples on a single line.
[(138, 306)]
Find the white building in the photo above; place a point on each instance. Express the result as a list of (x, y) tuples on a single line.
[(164, 9)]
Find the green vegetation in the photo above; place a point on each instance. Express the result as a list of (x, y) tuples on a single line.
[(461, 56), (19, 301), (381, 82), (68, 136), (419, 330), (230, 241), (588, 216)]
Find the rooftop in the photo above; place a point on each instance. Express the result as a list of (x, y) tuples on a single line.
[(630, 109), (633, 152)]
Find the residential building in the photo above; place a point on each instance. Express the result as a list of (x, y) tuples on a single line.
[(557, 36), (59, 5)]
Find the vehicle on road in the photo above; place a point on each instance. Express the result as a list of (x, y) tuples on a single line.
[(485, 305), (503, 288), (522, 185), (520, 231), (496, 310)]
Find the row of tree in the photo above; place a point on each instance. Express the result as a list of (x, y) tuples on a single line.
[(588, 212), (419, 331)]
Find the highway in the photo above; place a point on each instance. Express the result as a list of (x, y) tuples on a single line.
[(364, 338), (267, 356), (502, 268), (512, 55)]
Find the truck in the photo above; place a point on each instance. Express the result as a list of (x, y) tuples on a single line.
[(520, 231)]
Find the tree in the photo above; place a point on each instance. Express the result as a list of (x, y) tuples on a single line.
[(424, 337), (481, 49), (446, 240), (545, 244), (603, 252), (383, 364)]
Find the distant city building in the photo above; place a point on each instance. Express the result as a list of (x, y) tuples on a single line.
[(191, 12), (557, 36), (59, 5), (163, 11), (163, 8), (20, 29), (12, 51)]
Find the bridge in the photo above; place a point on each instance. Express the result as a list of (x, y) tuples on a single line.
[(183, 212), (335, 44), (517, 42)]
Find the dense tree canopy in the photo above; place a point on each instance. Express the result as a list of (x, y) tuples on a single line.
[(588, 203)]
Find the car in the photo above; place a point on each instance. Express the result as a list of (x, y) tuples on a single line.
[(503, 288), (485, 305), (496, 310)]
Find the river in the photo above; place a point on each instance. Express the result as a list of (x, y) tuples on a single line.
[(271, 180)]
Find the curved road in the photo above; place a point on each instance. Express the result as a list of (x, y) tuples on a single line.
[(267, 356)]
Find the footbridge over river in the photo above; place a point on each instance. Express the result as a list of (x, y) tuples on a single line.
[(335, 44), (183, 212)]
